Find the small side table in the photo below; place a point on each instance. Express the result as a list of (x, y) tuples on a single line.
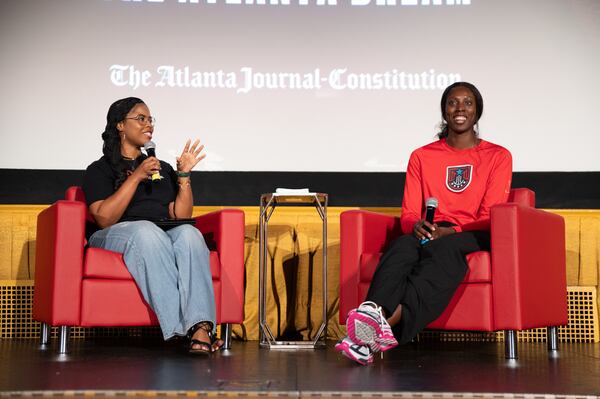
[(268, 203)]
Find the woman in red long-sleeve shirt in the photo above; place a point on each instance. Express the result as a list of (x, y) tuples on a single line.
[(419, 273)]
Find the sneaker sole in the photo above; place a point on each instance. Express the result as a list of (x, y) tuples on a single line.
[(347, 352), (363, 330), (389, 346)]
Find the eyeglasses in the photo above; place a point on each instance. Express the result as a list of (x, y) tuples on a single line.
[(143, 119)]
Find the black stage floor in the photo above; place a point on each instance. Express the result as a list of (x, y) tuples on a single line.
[(147, 367)]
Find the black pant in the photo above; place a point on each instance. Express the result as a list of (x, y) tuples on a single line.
[(422, 278)]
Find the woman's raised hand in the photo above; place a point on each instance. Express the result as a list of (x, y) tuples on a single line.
[(190, 156)]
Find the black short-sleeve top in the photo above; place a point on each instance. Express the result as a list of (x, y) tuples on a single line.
[(151, 199)]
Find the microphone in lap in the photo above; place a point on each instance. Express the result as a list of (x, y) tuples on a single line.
[(431, 205), (150, 148)]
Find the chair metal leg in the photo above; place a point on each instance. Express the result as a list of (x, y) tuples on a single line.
[(44, 334), (226, 336), (510, 344), (552, 338), (64, 339)]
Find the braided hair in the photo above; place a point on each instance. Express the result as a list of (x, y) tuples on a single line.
[(478, 106), (112, 140)]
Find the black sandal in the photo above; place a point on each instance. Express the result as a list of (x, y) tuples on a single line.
[(201, 350)]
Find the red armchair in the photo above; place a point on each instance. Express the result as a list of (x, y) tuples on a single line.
[(91, 287), (519, 284)]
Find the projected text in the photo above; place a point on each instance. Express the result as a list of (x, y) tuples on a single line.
[(248, 79)]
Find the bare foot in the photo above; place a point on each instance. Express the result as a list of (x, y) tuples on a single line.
[(217, 344), (201, 341)]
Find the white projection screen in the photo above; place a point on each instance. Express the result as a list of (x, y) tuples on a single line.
[(299, 85)]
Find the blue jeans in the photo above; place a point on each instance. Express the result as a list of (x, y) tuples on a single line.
[(171, 269)]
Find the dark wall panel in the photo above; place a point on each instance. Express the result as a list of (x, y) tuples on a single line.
[(561, 190)]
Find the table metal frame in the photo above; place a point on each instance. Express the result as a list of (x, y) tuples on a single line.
[(268, 203)]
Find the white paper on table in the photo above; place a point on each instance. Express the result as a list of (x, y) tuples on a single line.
[(292, 191)]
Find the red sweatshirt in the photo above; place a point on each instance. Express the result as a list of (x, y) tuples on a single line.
[(465, 182)]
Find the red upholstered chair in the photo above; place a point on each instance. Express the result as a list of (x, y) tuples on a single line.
[(91, 287), (519, 284)]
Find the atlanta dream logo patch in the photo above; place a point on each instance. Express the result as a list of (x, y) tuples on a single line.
[(458, 177)]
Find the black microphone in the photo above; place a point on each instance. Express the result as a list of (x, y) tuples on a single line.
[(430, 206), (150, 148)]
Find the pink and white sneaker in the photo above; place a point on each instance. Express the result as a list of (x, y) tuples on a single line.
[(366, 325), (359, 353)]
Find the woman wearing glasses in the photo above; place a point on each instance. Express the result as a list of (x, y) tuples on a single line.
[(124, 190)]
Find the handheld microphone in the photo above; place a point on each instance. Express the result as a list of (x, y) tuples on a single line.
[(431, 205), (150, 148)]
